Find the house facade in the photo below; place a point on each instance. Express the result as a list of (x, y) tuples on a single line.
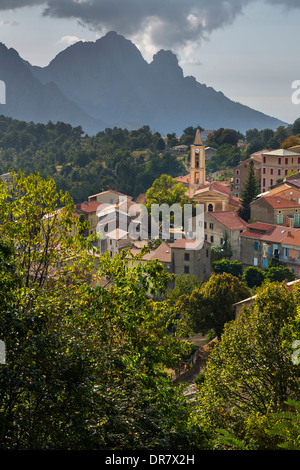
[(276, 165), (191, 257), (276, 210), (240, 173), (224, 227)]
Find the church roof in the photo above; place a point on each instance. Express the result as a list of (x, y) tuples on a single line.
[(198, 138)]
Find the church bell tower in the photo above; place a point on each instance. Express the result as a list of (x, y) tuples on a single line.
[(197, 168)]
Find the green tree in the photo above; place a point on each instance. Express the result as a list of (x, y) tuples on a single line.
[(85, 362), (250, 188), (234, 267), (296, 127), (253, 277), (279, 273), (211, 306), (250, 374)]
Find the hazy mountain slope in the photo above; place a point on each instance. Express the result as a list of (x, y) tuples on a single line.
[(109, 79), (108, 83), (29, 100)]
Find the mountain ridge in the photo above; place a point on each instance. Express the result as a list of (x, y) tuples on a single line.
[(108, 83)]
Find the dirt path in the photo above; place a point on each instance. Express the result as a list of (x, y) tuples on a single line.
[(198, 366)]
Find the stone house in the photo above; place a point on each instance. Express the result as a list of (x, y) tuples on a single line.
[(224, 226), (240, 173), (276, 165), (262, 243), (191, 257), (276, 210), (251, 247), (109, 197)]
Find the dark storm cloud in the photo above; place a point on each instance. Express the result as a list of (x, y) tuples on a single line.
[(167, 22)]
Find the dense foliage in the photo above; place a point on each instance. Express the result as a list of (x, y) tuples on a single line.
[(87, 346), (85, 165)]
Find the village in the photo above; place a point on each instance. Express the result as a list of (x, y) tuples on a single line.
[(272, 231)]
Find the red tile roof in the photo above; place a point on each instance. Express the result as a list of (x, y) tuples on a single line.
[(293, 238), (257, 230), (230, 219), (280, 202), (183, 179), (279, 234), (162, 253), (187, 244), (88, 207)]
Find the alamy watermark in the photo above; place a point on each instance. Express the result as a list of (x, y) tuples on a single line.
[(2, 92), (296, 94), (2, 353), (133, 221)]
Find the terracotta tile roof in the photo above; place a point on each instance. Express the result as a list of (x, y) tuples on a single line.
[(215, 186), (280, 202), (292, 238), (88, 207), (183, 179), (230, 220), (162, 253), (235, 201), (141, 199), (187, 244), (257, 230), (279, 234)]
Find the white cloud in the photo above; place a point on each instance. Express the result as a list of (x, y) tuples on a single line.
[(8, 23), (69, 40)]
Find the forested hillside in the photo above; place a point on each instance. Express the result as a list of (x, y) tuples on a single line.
[(82, 164)]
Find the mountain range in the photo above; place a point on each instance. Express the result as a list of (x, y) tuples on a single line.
[(108, 83)]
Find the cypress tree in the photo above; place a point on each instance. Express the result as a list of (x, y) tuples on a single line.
[(250, 188)]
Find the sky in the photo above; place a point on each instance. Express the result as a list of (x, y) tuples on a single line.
[(245, 48)]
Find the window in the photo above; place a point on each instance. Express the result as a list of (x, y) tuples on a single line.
[(285, 172), (271, 182), (204, 224), (286, 161), (212, 239), (186, 269), (211, 226), (255, 246), (186, 257), (255, 262), (271, 171), (264, 182), (237, 181), (221, 241), (264, 159), (210, 208), (238, 171), (279, 219), (264, 170), (205, 238), (298, 159), (279, 172), (279, 161)]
